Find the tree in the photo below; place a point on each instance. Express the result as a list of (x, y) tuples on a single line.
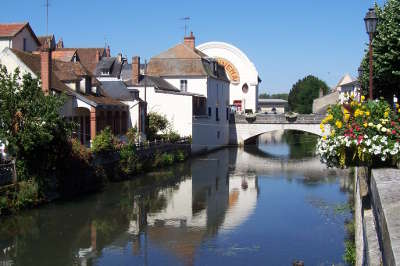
[(283, 96), (156, 124), (31, 126), (386, 53), (303, 93)]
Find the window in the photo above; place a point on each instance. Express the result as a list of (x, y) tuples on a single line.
[(227, 113), (24, 44), (105, 72), (216, 114), (218, 134), (183, 85), (209, 111), (245, 88)]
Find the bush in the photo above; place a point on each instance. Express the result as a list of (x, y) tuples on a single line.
[(171, 137), (156, 124), (27, 195), (128, 159), (132, 135), (180, 156), (167, 159), (104, 142)]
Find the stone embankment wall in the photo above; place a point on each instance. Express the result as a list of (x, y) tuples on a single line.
[(377, 216), (320, 105)]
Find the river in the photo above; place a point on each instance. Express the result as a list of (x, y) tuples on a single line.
[(268, 204)]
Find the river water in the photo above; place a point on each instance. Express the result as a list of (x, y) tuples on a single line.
[(268, 204)]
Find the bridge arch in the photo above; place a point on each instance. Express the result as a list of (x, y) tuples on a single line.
[(241, 134)]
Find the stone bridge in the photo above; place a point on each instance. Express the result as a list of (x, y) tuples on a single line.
[(245, 129)]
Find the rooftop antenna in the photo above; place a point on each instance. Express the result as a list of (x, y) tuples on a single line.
[(186, 21), (47, 17)]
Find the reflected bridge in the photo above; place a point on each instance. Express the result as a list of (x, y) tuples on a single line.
[(245, 129)]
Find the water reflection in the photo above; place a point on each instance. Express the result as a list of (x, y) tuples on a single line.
[(233, 206)]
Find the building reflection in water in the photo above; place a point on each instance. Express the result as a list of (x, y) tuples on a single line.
[(197, 208)]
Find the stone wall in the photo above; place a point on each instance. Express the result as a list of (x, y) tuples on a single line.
[(320, 105)]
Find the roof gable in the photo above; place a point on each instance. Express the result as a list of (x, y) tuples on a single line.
[(180, 51), (13, 29)]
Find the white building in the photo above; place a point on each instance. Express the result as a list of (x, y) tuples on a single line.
[(241, 72), (190, 89), (18, 36), (272, 106)]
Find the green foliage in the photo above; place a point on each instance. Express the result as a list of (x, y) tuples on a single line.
[(283, 96), (167, 159), (31, 125), (386, 53), (128, 159), (171, 136), (350, 252), (156, 124), (27, 195), (104, 142), (180, 156), (303, 93), (132, 135)]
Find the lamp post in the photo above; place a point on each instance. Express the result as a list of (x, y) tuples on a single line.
[(370, 25)]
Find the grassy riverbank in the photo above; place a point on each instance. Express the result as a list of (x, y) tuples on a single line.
[(94, 171), (350, 245)]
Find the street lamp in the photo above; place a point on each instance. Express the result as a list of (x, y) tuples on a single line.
[(370, 25)]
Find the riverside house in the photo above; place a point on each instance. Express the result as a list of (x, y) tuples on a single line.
[(189, 88)]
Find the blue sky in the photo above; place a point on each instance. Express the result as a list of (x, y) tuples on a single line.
[(286, 39)]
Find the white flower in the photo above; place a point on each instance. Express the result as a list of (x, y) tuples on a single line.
[(384, 129)]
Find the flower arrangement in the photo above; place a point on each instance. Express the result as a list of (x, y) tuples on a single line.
[(360, 133)]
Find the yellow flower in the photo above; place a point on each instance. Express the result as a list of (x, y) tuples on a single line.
[(386, 114), (324, 137), (346, 117), (321, 126), (338, 124), (362, 98), (333, 132), (367, 113), (365, 125), (329, 117)]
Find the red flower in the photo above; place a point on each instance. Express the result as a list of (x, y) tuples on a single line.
[(393, 131)]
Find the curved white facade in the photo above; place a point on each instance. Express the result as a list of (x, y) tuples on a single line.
[(241, 72)]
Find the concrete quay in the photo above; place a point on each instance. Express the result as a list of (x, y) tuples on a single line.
[(377, 216)]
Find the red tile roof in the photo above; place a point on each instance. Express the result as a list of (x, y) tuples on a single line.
[(62, 70), (87, 56), (65, 56)]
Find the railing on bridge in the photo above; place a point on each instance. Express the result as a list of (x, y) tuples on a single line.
[(7, 172), (276, 119)]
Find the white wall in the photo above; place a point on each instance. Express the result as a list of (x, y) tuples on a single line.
[(4, 42), (12, 62), (177, 108), (209, 134), (133, 113), (194, 85)]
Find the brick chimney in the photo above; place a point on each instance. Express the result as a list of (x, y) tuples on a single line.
[(190, 41), (135, 69), (108, 52), (45, 67), (97, 59)]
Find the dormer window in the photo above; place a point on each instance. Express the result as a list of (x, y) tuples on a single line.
[(105, 72), (184, 85)]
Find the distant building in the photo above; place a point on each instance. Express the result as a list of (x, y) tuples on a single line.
[(272, 106), (242, 74), (18, 36), (189, 88), (347, 85)]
